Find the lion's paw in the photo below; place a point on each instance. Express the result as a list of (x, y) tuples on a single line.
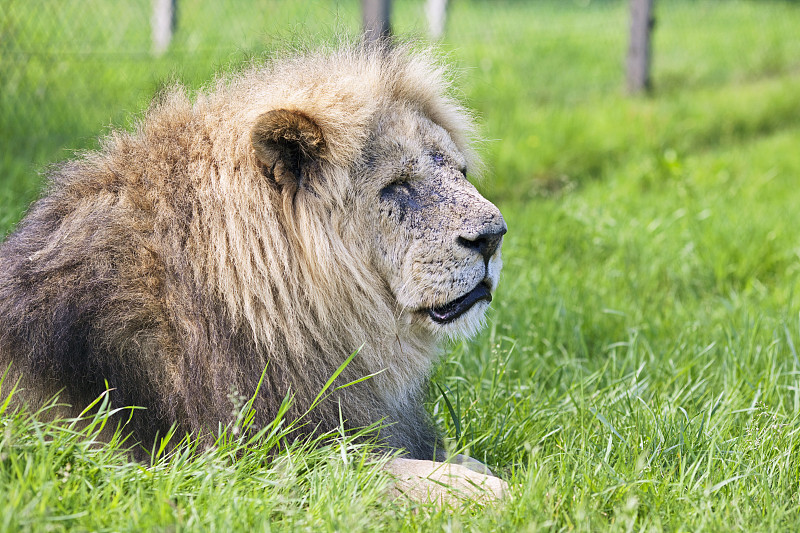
[(435, 482)]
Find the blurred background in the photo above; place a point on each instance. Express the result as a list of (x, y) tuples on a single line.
[(547, 77)]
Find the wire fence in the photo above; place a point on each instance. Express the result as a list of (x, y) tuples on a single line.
[(71, 68)]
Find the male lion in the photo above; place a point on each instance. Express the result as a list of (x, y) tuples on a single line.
[(281, 220)]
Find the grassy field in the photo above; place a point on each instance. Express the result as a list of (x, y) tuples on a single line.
[(640, 371)]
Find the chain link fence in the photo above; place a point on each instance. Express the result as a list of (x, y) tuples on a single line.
[(71, 68), (58, 67)]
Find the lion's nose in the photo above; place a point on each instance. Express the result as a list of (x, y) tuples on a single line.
[(486, 243)]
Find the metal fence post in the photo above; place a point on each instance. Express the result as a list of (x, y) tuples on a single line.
[(376, 19), (642, 22), (436, 10), (163, 24)]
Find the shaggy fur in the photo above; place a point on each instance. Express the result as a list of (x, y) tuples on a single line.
[(281, 220)]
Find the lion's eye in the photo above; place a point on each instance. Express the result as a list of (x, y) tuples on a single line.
[(395, 189)]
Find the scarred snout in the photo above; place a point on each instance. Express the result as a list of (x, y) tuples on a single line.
[(481, 228), (477, 242)]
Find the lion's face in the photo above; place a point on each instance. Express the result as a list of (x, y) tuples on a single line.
[(406, 207), (437, 240)]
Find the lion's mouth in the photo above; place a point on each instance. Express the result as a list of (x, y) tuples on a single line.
[(453, 310)]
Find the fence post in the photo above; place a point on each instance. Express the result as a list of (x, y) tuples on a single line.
[(642, 23), (376, 19), (163, 24), (436, 10)]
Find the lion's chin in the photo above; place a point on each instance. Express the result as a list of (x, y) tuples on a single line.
[(452, 311), (464, 327)]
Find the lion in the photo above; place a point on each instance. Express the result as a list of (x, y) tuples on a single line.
[(262, 231)]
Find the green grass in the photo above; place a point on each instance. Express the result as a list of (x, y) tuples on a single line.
[(640, 370)]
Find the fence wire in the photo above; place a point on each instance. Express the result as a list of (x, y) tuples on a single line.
[(71, 68)]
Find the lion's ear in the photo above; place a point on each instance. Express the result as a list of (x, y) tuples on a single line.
[(285, 142)]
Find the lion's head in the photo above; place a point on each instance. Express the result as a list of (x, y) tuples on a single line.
[(382, 163), (431, 237)]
